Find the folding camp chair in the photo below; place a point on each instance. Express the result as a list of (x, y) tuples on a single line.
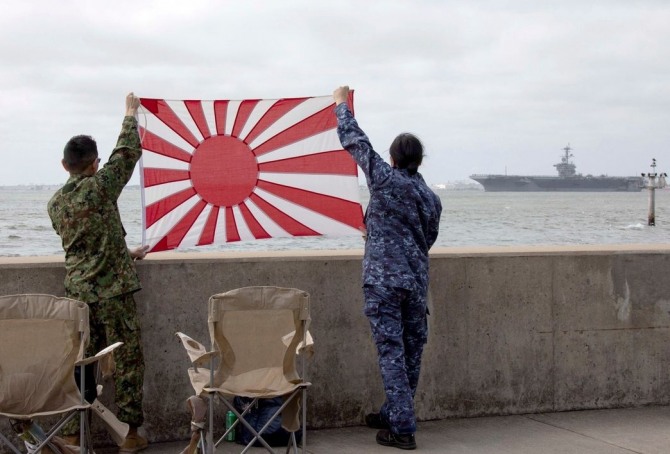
[(256, 334), (42, 339)]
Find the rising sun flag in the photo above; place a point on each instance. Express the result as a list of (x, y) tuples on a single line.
[(214, 172)]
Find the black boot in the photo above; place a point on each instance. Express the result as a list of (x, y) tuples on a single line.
[(402, 441), (376, 421)]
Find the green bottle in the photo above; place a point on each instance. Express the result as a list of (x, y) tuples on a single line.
[(230, 420)]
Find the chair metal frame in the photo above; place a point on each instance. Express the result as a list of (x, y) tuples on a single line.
[(84, 407), (212, 359)]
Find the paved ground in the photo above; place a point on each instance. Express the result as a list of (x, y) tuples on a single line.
[(623, 431)]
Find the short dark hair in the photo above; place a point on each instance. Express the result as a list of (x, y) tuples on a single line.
[(407, 152), (79, 153)]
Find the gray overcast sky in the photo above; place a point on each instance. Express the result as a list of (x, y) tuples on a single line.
[(490, 86)]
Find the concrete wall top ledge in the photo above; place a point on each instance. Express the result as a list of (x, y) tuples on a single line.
[(356, 254), (544, 250), (171, 256)]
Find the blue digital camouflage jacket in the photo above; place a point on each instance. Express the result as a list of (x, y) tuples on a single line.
[(402, 217)]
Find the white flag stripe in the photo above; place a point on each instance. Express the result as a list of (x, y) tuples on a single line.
[(259, 110), (157, 127), (315, 221), (220, 232), (194, 233), (268, 224), (208, 111), (231, 115), (180, 109), (242, 227), (165, 224), (324, 141), (298, 113), (159, 161), (342, 187), (153, 194)]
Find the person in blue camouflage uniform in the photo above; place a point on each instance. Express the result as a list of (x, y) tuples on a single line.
[(99, 267), (402, 221)]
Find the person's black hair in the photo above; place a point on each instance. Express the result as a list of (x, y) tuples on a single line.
[(407, 152), (79, 153)]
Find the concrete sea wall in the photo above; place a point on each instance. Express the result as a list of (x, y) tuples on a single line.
[(512, 330)]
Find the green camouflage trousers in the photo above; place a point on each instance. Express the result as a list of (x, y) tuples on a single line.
[(115, 320)]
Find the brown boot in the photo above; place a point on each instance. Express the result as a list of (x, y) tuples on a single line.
[(64, 446), (134, 442), (60, 444), (44, 450), (70, 440)]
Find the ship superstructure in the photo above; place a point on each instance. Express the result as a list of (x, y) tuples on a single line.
[(568, 180)]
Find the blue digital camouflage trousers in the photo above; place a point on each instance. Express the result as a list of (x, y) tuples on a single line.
[(398, 321)]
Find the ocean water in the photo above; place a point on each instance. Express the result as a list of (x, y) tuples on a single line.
[(469, 218)]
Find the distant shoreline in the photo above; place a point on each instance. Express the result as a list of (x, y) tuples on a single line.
[(40, 187), (449, 186)]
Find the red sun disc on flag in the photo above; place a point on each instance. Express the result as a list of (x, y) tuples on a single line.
[(222, 171), (238, 171)]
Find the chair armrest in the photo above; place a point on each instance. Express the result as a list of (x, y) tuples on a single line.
[(306, 346), (197, 352), (117, 429), (100, 355)]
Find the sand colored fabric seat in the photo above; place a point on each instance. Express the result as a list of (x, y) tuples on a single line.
[(42, 339), (257, 335)]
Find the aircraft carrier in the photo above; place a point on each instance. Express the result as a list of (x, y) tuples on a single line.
[(568, 180)]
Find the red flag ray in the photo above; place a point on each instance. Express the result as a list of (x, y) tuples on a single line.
[(207, 235), (198, 115), (231, 227), (243, 112), (311, 219), (153, 176), (177, 233), (220, 113), (278, 110), (152, 142), (319, 122), (286, 222), (346, 212), (254, 226), (337, 162), (322, 142), (160, 246), (164, 112), (336, 186), (158, 209)]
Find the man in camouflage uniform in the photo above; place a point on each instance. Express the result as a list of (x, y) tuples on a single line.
[(99, 267), (402, 222)]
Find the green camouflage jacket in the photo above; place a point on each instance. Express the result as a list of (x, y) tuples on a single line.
[(85, 214)]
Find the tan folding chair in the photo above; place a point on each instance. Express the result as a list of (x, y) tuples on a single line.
[(42, 339), (256, 334)]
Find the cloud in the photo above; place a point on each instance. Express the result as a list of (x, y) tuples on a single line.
[(487, 85)]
